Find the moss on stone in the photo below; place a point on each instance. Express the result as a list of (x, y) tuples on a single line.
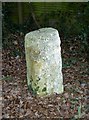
[(44, 89)]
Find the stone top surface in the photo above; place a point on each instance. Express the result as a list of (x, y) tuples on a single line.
[(43, 35), (43, 32)]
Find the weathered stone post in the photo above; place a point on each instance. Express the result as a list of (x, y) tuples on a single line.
[(44, 64)]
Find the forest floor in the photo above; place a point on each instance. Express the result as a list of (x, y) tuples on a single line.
[(18, 101)]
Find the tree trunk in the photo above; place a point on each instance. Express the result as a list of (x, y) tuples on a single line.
[(20, 13)]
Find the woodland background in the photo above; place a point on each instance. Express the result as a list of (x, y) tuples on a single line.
[(72, 22)]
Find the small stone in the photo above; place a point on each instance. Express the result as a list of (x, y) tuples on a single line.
[(66, 95), (83, 85)]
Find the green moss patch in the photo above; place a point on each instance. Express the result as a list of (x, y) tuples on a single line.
[(44, 89)]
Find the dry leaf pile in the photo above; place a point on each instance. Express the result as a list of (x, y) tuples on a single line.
[(19, 102)]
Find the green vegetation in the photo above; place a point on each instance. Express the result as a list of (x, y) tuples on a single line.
[(71, 20)]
